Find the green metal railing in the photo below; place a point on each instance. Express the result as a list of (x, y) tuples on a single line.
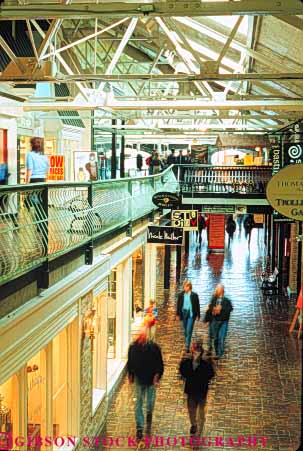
[(39, 222)]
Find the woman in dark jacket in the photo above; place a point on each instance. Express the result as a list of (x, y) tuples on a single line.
[(217, 316), (188, 310), (197, 374), (248, 224)]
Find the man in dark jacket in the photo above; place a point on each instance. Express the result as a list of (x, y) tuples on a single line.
[(217, 316), (145, 368), (197, 374), (188, 310), (171, 159)]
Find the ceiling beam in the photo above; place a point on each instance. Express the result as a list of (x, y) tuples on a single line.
[(183, 105), (160, 77), (85, 38), (12, 55), (169, 8), (292, 20)]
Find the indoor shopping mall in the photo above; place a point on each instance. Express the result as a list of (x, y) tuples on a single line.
[(151, 213)]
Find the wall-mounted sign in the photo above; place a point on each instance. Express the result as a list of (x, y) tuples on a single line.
[(85, 166), (276, 158), (259, 219), (216, 233), (56, 167), (226, 209), (285, 192), (166, 200), (293, 153), (165, 235), (187, 219)]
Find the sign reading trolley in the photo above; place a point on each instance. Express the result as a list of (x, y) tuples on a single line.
[(285, 192)]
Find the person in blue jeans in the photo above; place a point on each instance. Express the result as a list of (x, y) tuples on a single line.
[(145, 368), (217, 317), (188, 310)]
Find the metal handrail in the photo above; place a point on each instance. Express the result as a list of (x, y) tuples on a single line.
[(40, 221)]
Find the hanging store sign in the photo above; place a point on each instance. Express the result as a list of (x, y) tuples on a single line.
[(284, 192), (226, 209), (293, 154), (216, 233), (56, 167), (276, 158), (187, 219), (166, 200), (165, 235)]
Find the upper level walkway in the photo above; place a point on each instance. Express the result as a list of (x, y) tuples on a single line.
[(40, 222)]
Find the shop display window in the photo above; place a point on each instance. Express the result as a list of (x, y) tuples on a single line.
[(9, 408), (99, 350), (36, 398), (60, 385)]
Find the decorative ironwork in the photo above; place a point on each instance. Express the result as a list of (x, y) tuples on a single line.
[(42, 221), (229, 180)]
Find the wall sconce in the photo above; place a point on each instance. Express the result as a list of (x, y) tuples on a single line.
[(90, 323)]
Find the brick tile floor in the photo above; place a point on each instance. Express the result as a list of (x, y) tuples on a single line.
[(257, 388)]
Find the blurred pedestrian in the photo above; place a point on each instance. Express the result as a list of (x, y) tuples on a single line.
[(248, 225), (217, 317), (145, 369), (171, 159), (230, 228), (188, 310), (151, 319), (201, 227), (37, 164), (197, 374), (156, 164)]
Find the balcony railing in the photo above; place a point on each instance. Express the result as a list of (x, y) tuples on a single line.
[(224, 179), (39, 222)]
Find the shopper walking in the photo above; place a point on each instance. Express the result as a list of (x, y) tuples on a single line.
[(197, 374), (145, 369), (230, 228), (188, 310), (151, 319), (37, 164), (248, 224), (156, 164), (171, 159), (217, 316), (201, 227)]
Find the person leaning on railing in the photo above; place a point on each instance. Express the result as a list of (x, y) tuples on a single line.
[(37, 164)]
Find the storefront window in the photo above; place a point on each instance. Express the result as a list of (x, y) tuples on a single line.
[(138, 286), (99, 350), (36, 398), (8, 408), (60, 360)]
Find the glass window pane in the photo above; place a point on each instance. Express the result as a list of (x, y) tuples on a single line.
[(36, 399), (8, 408)]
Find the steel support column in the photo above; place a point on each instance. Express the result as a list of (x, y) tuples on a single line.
[(114, 153), (122, 153)]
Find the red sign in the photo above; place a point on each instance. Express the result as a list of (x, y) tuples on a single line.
[(216, 232), (300, 299), (56, 167)]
